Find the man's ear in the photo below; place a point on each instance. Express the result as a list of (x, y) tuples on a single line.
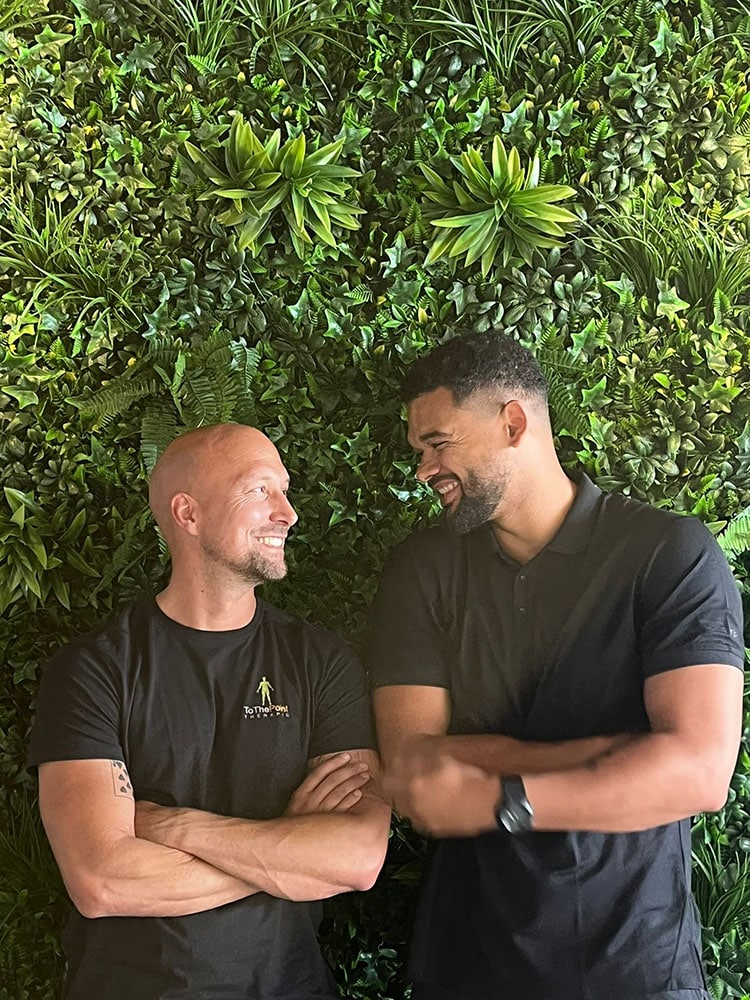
[(516, 421), (184, 510)]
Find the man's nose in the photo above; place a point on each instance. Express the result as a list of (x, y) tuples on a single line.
[(427, 468), (283, 511)]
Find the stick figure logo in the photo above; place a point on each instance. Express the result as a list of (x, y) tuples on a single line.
[(267, 708), (264, 690)]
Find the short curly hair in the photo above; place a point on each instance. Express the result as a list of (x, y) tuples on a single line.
[(475, 362)]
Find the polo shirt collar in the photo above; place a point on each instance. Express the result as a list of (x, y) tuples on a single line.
[(575, 531)]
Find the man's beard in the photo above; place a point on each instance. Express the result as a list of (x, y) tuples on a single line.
[(478, 503), (254, 569)]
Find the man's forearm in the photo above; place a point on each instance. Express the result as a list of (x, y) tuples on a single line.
[(136, 878), (303, 857), (498, 754), (654, 780)]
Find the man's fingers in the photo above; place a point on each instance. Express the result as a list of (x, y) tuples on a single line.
[(342, 790), (350, 800), (328, 765), (324, 783), (328, 784)]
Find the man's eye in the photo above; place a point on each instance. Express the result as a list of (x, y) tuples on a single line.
[(259, 489), (439, 445)]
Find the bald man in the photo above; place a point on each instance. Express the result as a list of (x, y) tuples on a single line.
[(206, 771)]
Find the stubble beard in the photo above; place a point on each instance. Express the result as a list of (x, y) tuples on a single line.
[(254, 569), (478, 504)]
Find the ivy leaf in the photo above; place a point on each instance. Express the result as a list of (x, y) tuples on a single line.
[(620, 83), (141, 57), (107, 173), (666, 40), (515, 121), (477, 118), (563, 120), (596, 396), (24, 397), (670, 303), (625, 289)]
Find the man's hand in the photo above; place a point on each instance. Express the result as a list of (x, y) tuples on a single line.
[(333, 785), (441, 796)]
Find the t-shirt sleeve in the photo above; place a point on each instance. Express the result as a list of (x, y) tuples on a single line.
[(689, 604), (343, 715), (77, 712), (406, 641)]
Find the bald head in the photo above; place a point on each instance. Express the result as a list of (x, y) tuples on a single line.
[(200, 463)]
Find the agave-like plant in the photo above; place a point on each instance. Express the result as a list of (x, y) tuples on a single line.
[(500, 210), (259, 178)]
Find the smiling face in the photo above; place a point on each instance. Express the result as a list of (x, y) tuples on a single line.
[(244, 515), (462, 456), (220, 493)]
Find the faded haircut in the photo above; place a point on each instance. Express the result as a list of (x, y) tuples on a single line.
[(472, 363)]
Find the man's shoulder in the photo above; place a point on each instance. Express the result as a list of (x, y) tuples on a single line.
[(111, 634), (638, 516)]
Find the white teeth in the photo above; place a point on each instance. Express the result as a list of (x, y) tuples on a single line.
[(442, 490), (273, 541)]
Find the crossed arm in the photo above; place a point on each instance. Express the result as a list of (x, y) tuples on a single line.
[(450, 785), (122, 858)]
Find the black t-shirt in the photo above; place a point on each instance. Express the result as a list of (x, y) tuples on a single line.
[(558, 648), (222, 721)]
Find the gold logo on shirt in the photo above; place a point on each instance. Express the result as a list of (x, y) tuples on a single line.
[(267, 709)]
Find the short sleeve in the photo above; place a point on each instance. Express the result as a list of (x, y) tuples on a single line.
[(343, 715), (689, 605), (406, 641), (78, 708)]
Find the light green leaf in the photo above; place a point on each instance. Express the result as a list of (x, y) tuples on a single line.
[(24, 397)]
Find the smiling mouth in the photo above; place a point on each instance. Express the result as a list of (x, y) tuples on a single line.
[(273, 541), (447, 489)]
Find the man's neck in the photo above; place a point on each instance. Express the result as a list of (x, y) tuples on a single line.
[(197, 606), (535, 520)]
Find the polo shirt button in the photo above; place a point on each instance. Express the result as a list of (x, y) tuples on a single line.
[(522, 611)]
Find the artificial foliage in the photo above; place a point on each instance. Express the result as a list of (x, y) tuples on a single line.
[(219, 210)]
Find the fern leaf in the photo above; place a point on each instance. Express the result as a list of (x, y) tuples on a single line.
[(158, 429), (735, 538)]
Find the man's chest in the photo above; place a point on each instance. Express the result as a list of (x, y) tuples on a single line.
[(548, 645), (230, 737)]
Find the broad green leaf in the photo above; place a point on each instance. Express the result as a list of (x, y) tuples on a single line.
[(459, 221), (77, 561), (298, 206), (326, 155), (232, 193), (292, 157), (24, 397)]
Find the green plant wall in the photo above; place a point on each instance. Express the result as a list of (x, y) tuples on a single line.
[(264, 210)]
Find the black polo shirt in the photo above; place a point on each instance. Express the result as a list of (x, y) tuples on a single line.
[(558, 648)]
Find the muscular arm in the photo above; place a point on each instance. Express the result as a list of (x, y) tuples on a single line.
[(408, 712), (88, 813), (312, 852), (680, 768)]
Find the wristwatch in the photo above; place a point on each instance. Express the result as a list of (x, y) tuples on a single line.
[(514, 813)]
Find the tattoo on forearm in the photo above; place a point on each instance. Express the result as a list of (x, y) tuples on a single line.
[(121, 780)]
